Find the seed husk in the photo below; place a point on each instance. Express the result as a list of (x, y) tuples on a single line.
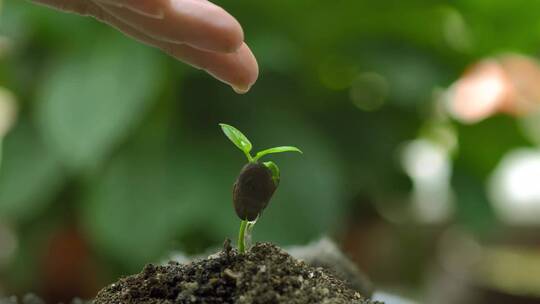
[(252, 191)]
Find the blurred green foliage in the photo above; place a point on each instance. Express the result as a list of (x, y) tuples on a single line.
[(123, 140)]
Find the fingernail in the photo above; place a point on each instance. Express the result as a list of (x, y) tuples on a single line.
[(241, 90)]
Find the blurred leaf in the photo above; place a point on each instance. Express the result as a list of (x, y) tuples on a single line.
[(236, 137), (131, 211), (30, 175), (88, 104), (277, 150)]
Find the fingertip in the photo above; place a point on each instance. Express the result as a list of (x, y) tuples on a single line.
[(248, 72), (239, 69)]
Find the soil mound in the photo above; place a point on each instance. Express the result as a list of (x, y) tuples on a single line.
[(264, 274)]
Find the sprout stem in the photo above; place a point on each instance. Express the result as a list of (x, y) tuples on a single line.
[(242, 236), (249, 157)]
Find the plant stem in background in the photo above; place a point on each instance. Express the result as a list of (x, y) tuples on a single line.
[(242, 236)]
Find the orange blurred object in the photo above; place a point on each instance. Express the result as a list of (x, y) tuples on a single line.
[(504, 84)]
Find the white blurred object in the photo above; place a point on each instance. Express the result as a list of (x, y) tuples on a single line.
[(514, 187), (429, 167), (8, 111)]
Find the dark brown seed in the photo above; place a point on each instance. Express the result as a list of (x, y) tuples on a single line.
[(252, 191)]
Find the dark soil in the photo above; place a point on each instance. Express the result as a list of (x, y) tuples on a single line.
[(264, 274)]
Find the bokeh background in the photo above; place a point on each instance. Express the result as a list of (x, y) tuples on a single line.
[(418, 120)]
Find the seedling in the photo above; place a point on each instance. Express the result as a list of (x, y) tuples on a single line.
[(256, 183)]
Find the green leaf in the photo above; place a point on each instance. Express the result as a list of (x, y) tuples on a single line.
[(277, 150), (237, 138), (89, 103), (275, 171)]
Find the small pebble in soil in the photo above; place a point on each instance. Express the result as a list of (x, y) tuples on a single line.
[(264, 274)]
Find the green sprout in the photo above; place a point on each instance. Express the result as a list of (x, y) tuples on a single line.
[(256, 183)]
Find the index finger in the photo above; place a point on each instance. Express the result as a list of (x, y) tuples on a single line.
[(198, 23)]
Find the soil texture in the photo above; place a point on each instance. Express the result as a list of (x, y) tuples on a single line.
[(264, 274)]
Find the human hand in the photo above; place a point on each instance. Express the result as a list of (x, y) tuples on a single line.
[(196, 32)]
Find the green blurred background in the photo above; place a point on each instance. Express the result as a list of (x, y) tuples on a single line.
[(116, 158)]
